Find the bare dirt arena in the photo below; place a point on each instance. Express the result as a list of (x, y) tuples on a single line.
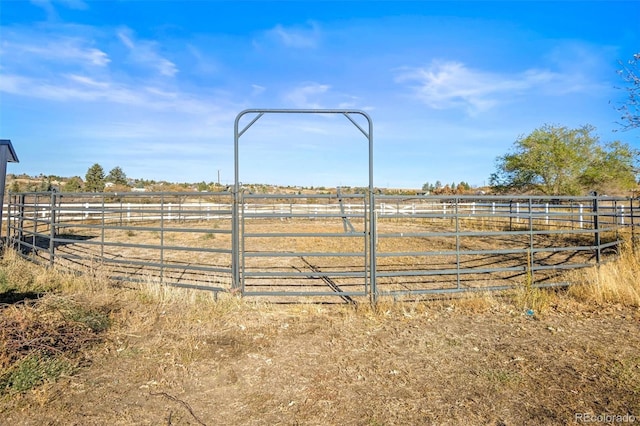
[(279, 256)]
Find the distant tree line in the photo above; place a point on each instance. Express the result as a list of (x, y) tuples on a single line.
[(95, 180), (438, 188)]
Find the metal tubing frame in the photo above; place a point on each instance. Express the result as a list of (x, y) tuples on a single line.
[(237, 133), (27, 215)]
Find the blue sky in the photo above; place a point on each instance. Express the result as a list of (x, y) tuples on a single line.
[(154, 86)]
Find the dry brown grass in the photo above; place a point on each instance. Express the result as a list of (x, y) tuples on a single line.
[(613, 282), (180, 357), (47, 321)]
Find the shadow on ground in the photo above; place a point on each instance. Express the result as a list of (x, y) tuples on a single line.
[(10, 297)]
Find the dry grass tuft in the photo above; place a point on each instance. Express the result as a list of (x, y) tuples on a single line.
[(613, 282), (43, 339), (48, 319), (533, 300), (479, 302), (16, 272)]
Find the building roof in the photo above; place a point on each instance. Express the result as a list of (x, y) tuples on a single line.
[(12, 157)]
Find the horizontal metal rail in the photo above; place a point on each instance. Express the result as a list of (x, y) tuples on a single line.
[(318, 245)]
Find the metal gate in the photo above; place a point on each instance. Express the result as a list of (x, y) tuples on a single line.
[(268, 263), (289, 246)]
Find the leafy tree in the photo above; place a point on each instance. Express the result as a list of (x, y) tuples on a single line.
[(612, 168), (117, 176), (561, 161), (94, 179), (630, 110), (463, 187), (45, 185), (427, 187), (73, 184)]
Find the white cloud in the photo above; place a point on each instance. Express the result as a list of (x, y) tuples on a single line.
[(123, 35), (50, 10), (74, 87), (70, 68), (307, 96), (60, 49), (351, 102), (71, 4), (75, 4), (204, 63), (297, 37), (449, 84), (87, 81), (144, 52), (257, 89)]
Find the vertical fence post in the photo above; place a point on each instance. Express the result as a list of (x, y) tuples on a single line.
[(102, 236), (368, 234), (618, 222), (21, 220), (162, 237), (36, 207), (373, 236), (546, 212), (52, 227), (581, 217), (531, 242), (10, 203), (510, 215), (15, 202), (633, 227), (596, 226), (457, 215)]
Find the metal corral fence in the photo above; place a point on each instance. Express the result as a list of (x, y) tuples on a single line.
[(321, 245)]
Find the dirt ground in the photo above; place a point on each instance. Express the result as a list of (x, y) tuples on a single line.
[(481, 361)]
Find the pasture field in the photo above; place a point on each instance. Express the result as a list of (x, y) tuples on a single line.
[(84, 350)]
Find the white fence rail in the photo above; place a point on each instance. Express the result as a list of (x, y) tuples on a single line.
[(580, 213)]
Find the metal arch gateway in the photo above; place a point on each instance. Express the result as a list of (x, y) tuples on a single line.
[(370, 260)]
